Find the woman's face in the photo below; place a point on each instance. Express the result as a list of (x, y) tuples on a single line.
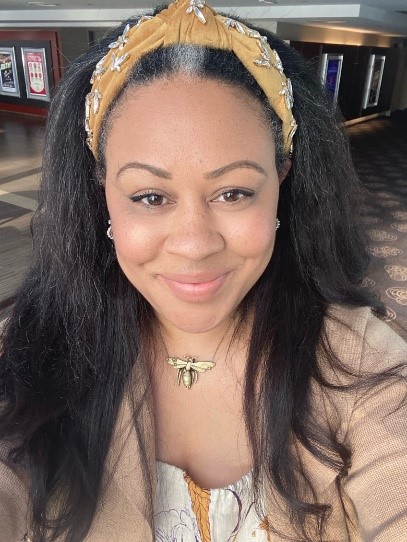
[(192, 191)]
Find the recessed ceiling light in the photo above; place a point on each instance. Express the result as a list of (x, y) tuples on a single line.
[(274, 2), (43, 4)]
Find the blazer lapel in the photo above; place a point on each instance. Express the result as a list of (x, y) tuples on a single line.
[(126, 510)]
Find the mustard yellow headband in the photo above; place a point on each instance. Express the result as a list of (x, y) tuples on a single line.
[(190, 22)]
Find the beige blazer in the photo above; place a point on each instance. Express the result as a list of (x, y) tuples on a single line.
[(369, 503)]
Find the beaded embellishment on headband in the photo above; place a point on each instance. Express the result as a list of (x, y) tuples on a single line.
[(172, 25)]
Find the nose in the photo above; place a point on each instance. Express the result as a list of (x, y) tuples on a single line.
[(195, 233)]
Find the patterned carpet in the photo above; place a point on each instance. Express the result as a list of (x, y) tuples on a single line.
[(380, 153)]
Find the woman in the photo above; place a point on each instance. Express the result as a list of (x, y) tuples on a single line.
[(192, 317)]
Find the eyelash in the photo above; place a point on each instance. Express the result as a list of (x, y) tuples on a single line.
[(243, 193), (139, 198)]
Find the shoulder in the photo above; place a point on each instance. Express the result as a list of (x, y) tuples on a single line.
[(362, 341), (362, 363), (13, 498), (376, 421)]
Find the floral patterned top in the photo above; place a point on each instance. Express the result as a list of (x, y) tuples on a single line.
[(185, 512)]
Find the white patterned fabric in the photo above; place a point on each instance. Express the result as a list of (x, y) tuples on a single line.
[(184, 512)]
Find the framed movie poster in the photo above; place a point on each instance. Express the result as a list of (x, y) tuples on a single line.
[(35, 73), (8, 72), (373, 81), (331, 68)]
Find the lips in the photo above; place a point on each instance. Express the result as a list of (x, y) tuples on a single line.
[(197, 287)]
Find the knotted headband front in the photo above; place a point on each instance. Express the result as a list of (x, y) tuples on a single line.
[(189, 22)]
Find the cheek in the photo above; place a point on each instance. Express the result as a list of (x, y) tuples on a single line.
[(134, 239), (255, 236), (136, 243)]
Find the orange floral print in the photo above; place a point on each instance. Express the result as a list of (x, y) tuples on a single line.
[(264, 526), (200, 499)]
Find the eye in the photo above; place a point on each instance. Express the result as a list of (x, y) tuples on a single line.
[(233, 195), (150, 199)]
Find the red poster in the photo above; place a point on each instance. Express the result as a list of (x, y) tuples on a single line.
[(36, 72)]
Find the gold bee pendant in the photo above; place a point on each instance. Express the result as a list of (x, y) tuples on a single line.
[(188, 369)]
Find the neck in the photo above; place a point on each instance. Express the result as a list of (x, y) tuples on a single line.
[(177, 342)]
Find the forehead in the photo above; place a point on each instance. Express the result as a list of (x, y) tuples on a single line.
[(185, 115)]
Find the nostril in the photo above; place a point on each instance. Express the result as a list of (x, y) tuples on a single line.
[(193, 242)]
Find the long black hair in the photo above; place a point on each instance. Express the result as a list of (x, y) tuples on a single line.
[(68, 351)]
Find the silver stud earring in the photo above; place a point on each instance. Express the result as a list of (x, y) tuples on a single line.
[(277, 223), (109, 231)]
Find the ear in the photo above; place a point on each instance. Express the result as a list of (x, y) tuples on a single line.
[(285, 168)]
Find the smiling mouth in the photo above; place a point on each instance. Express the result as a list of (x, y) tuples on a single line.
[(195, 287)]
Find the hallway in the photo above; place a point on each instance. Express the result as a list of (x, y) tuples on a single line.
[(380, 152), (21, 139)]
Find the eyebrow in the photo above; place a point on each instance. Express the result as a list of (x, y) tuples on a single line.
[(158, 172), (240, 164), (216, 173)]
